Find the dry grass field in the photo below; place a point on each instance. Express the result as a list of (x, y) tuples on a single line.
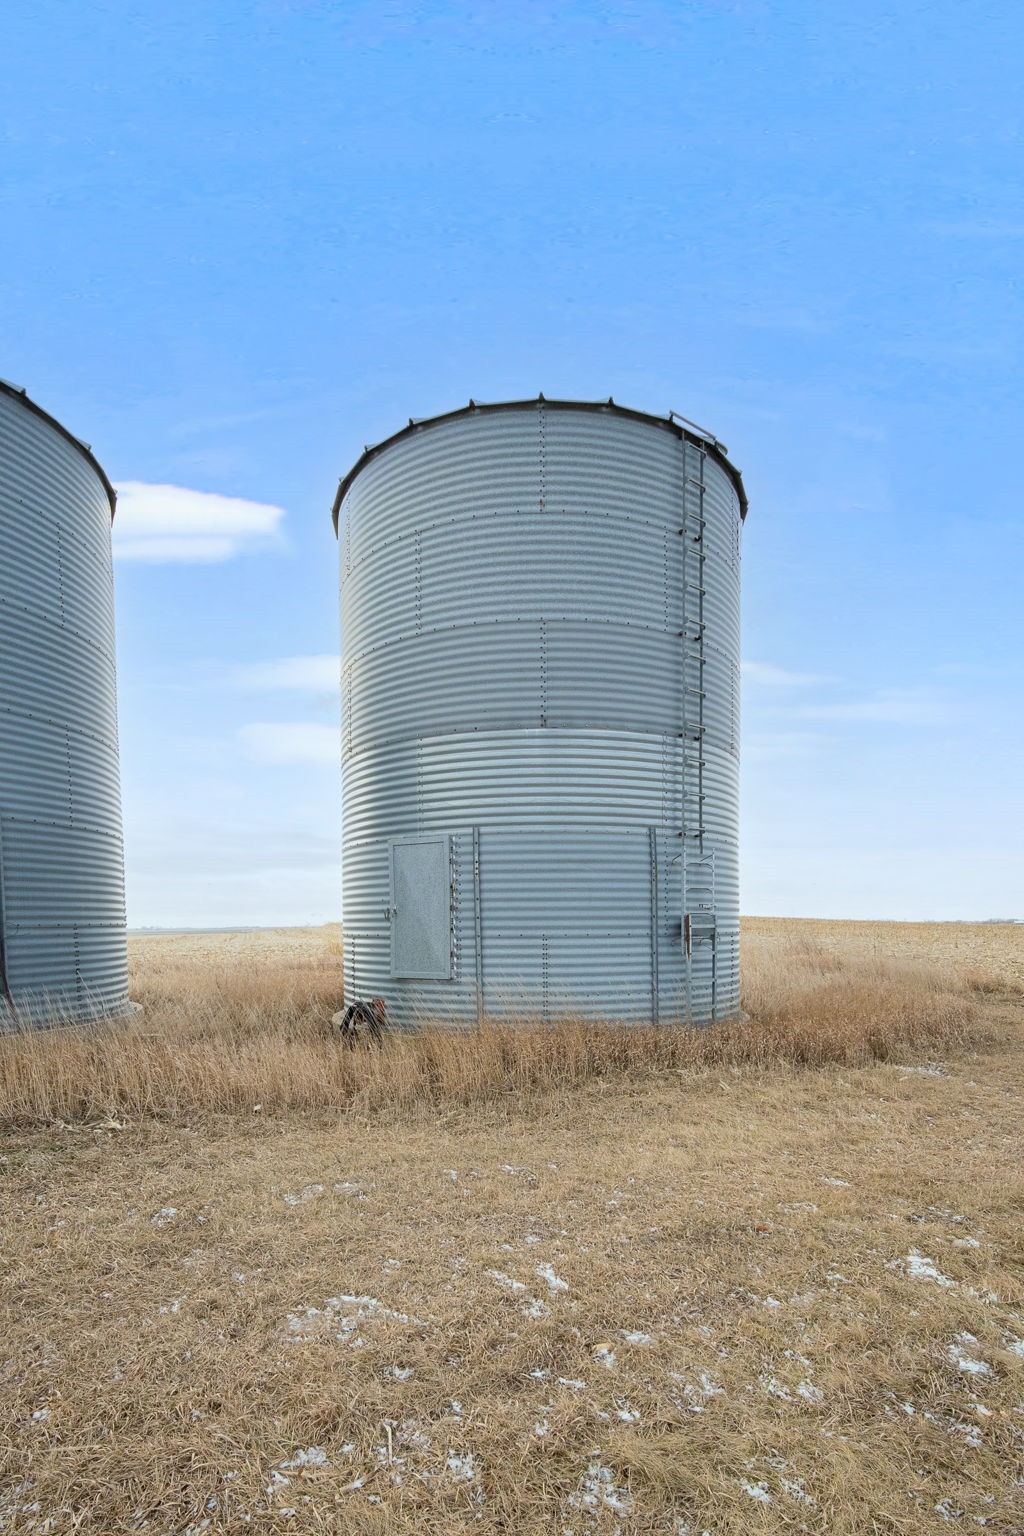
[(761, 1278)]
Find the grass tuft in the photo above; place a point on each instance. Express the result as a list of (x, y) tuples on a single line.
[(232, 1035)]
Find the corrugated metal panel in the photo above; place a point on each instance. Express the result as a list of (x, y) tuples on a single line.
[(61, 860), (540, 617)]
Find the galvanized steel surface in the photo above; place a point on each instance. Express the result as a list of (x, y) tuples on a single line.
[(540, 635), (62, 919)]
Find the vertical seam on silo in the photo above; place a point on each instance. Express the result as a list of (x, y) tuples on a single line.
[(544, 977), (453, 914), (418, 564), (543, 672), (478, 927)]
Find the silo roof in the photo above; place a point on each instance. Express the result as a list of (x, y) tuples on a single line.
[(673, 422), (84, 449)]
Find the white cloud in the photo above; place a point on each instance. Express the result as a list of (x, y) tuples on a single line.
[(301, 741), (293, 673), (777, 677), (164, 523)]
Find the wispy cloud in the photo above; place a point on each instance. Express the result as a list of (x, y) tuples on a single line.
[(771, 746), (777, 677), (302, 741), (297, 674), (896, 706), (170, 523)]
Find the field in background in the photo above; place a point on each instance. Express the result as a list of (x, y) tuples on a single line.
[(759, 1279)]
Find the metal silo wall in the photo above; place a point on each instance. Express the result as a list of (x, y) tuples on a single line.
[(517, 680), (61, 860)]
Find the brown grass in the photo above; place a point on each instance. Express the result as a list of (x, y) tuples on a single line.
[(772, 1283), (228, 1031)]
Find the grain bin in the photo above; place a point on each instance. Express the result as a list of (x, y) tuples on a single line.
[(540, 717), (62, 921)]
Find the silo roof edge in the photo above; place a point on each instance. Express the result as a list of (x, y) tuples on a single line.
[(17, 393), (673, 422)]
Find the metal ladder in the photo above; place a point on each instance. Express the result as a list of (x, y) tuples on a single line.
[(699, 925)]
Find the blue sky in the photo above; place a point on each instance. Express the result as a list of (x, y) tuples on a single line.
[(242, 240)]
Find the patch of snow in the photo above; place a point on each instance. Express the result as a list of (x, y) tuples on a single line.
[(919, 1267), (947, 1510), (555, 1282), (775, 1388), (308, 1192), (966, 1242), (164, 1216), (809, 1392), (599, 1490), (697, 1395), (507, 1281), (536, 1308), (605, 1355), (541, 1428), (970, 1366), (837, 1183), (633, 1336), (758, 1491), (931, 1071), (627, 1414), (796, 1489), (569, 1381), (462, 1468), (312, 1456), (1016, 1347), (969, 1433), (399, 1372), (342, 1316)]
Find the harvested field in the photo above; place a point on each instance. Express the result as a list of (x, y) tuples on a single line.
[(765, 1279)]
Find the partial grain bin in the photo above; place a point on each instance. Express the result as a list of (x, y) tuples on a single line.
[(62, 920), (540, 715)]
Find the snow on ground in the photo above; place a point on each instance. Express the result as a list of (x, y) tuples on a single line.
[(969, 1364), (598, 1490), (342, 1315), (308, 1192)]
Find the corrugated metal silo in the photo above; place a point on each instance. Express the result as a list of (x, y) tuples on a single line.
[(540, 637), (62, 920)]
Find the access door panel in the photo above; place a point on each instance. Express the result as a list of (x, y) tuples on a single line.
[(421, 917)]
